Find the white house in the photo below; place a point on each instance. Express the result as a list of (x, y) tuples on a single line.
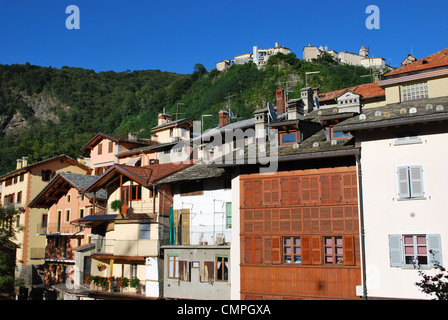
[(404, 148)]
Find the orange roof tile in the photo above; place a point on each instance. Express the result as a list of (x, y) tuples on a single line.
[(368, 90), (438, 59)]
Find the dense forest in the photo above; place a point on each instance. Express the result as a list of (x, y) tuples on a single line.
[(46, 111)]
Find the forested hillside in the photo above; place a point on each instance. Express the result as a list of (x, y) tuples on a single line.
[(47, 111)]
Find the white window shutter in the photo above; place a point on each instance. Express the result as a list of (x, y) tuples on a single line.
[(434, 250), (416, 181), (395, 254), (403, 183)]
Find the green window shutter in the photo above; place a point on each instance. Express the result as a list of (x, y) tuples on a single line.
[(228, 215), (395, 251)]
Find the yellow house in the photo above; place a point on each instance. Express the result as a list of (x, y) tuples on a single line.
[(426, 78), (19, 187)]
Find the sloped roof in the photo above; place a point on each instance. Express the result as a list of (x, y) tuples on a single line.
[(145, 176), (60, 185), (368, 90), (39, 163), (436, 60), (118, 139), (411, 112), (196, 172)]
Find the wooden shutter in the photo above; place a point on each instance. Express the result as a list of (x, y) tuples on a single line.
[(248, 193), (349, 250), (276, 250), (253, 249), (349, 187), (267, 250), (310, 189), (403, 182), (306, 249), (185, 218), (434, 250), (257, 192), (289, 187), (416, 181), (176, 225), (316, 250), (330, 186), (395, 254)]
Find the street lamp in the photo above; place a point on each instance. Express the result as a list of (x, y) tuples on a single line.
[(306, 79)]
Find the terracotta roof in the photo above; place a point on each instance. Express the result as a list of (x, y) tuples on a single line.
[(368, 90), (146, 176), (438, 59)]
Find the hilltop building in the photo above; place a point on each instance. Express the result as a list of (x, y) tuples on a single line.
[(258, 56), (360, 59)]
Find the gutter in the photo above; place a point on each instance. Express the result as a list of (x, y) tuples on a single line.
[(362, 228)]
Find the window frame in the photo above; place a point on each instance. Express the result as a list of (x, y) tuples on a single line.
[(336, 256), (295, 258), (222, 276)]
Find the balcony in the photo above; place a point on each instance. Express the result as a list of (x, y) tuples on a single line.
[(57, 228), (125, 250)]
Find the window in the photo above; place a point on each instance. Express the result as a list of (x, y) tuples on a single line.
[(135, 194), (206, 271), (145, 230), (81, 213), (19, 197), (67, 215), (288, 138), (111, 147), (333, 250), (228, 215), (68, 198), (184, 270), (100, 149), (410, 182), (222, 268), (47, 175), (414, 91), (415, 250), (339, 134), (173, 267), (292, 252)]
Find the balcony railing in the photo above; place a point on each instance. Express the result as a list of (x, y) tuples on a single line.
[(54, 228), (131, 248)]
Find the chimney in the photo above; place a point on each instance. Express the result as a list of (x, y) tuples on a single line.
[(280, 97), (223, 118), (132, 136), (164, 118), (307, 98), (260, 123), (19, 164), (295, 109), (24, 162)]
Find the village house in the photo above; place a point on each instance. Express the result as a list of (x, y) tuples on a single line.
[(197, 259), (18, 188), (403, 150), (66, 202), (128, 237)]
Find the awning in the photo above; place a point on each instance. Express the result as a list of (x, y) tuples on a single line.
[(94, 220)]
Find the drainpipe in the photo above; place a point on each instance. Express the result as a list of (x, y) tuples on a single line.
[(362, 229)]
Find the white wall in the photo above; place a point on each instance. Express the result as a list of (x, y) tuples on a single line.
[(207, 212), (385, 214)]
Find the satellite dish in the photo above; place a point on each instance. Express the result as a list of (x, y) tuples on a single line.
[(272, 112)]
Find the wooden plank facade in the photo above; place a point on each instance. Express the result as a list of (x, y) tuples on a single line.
[(300, 235)]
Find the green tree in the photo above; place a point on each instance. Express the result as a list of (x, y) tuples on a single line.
[(7, 249), (436, 285)]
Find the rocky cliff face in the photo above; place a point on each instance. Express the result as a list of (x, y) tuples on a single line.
[(42, 107)]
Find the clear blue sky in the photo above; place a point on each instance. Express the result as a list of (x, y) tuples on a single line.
[(174, 35)]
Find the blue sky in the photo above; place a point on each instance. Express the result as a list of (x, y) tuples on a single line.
[(174, 35)]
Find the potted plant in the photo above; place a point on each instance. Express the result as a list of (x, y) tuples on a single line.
[(100, 266), (116, 205), (135, 283), (122, 283)]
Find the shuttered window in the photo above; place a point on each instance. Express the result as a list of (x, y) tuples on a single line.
[(410, 182), (413, 251), (331, 188)]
